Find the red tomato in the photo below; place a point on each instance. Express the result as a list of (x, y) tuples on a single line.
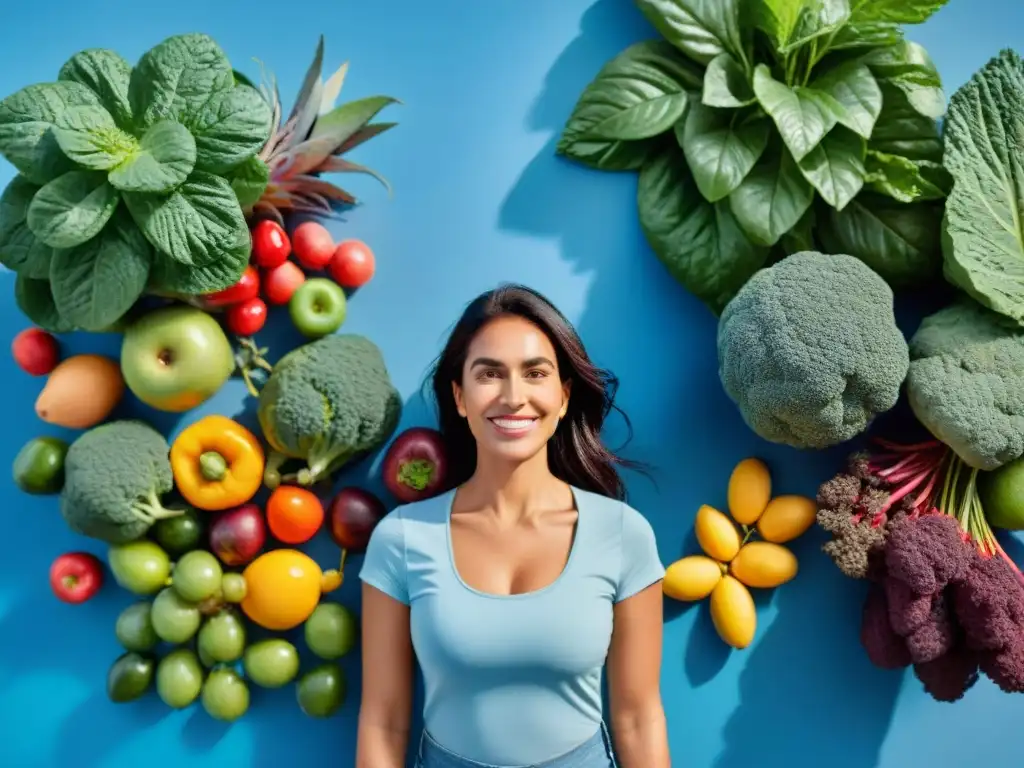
[(246, 318), (35, 351), (270, 246), (313, 245), (282, 281), (352, 264), (76, 576), (247, 287)]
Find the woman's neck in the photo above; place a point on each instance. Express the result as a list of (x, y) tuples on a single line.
[(514, 492)]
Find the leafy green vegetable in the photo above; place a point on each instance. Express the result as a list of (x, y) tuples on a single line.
[(71, 209), (20, 250), (984, 236), (130, 179), (773, 117), (96, 283)]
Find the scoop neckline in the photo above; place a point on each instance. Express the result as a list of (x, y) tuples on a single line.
[(449, 505)]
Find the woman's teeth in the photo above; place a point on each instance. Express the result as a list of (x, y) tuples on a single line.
[(514, 425)]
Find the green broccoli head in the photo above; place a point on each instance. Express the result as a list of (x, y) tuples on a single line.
[(809, 350), (326, 403), (115, 474), (966, 382)]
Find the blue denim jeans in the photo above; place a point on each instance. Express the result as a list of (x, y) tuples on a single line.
[(596, 752)]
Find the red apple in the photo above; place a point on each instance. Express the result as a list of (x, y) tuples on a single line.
[(247, 287), (76, 576), (35, 351), (237, 535), (312, 245), (282, 281), (270, 245)]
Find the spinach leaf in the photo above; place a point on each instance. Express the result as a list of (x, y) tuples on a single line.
[(89, 136), (803, 115), (721, 146), (249, 181), (904, 179), (193, 225), (778, 20), (27, 119), (165, 157), (175, 78), (230, 128), (902, 130), (773, 197), (908, 67), (701, 29), (72, 208), (97, 282), (836, 167), (894, 11), (20, 250), (854, 87), (898, 241), (639, 94), (726, 84), (817, 19), (700, 243), (984, 235), (106, 74), (35, 300), (175, 277)]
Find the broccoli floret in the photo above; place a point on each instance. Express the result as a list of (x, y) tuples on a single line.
[(326, 403), (115, 475), (966, 383), (809, 350)]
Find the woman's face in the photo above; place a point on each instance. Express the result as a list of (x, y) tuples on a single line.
[(511, 395)]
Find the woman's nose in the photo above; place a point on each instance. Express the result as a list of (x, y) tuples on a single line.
[(513, 393)]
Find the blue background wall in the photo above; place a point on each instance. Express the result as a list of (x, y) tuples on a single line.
[(480, 198)]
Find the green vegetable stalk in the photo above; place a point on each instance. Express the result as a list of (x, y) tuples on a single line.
[(764, 128)]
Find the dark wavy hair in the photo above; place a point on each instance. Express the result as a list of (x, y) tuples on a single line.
[(576, 453)]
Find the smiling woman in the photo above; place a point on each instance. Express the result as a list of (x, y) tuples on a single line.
[(515, 586)]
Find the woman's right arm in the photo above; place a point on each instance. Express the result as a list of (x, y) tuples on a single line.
[(386, 707)]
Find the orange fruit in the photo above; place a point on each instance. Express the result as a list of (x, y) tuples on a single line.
[(294, 515), (283, 587)]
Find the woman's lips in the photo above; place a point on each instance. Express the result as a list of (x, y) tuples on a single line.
[(513, 426)]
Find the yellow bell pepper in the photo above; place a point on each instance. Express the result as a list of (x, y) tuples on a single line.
[(217, 463)]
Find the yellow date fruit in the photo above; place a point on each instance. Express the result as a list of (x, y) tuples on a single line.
[(691, 578), (763, 564), (750, 488), (716, 534), (733, 613), (787, 517)]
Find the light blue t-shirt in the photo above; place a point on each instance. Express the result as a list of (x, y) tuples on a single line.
[(512, 680)]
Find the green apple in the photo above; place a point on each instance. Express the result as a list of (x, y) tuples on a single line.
[(317, 307), (175, 358), (1002, 495)]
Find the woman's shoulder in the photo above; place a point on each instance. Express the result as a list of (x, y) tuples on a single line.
[(618, 517)]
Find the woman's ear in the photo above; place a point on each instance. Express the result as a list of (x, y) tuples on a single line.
[(566, 389), (460, 404)]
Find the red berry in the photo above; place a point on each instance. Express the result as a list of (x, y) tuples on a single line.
[(282, 281), (247, 287), (270, 246), (313, 245), (246, 318), (353, 264), (35, 351)]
